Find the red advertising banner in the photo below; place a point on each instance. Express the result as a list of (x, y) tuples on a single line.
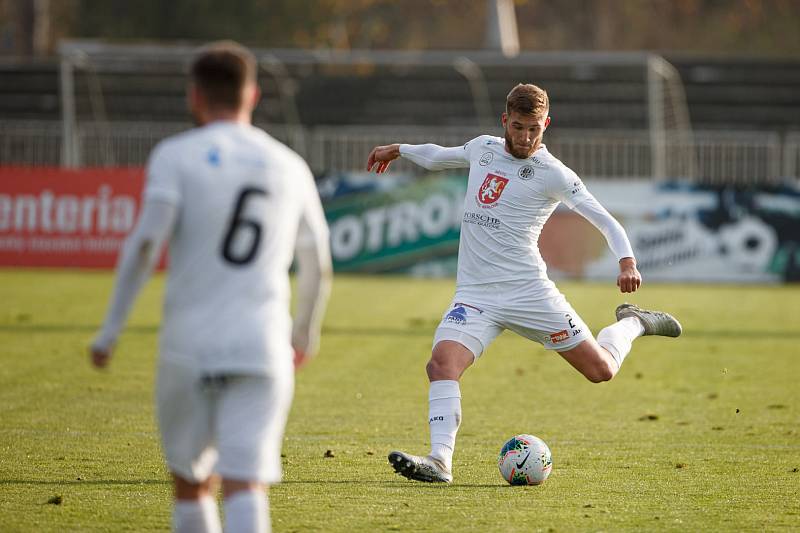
[(66, 218)]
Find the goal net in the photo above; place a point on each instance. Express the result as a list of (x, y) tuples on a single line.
[(672, 144)]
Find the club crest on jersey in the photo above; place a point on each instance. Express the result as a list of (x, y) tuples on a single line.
[(525, 172), (489, 193), (485, 159)]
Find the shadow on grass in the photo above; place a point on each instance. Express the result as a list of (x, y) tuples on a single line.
[(751, 334), (151, 329), (68, 328), (394, 484), (86, 482), (376, 483)]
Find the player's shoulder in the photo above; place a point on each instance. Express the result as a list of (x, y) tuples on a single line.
[(482, 144), (184, 146), (277, 152), (484, 141), (549, 165), (173, 143)]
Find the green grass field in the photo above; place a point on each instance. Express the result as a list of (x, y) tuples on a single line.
[(701, 433)]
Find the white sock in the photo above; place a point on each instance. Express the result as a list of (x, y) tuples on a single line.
[(618, 337), (247, 511), (196, 516), (444, 417)]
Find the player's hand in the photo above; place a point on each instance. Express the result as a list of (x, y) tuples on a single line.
[(381, 156), (300, 359), (629, 279), (99, 356)]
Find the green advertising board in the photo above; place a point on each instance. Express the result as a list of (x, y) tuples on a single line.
[(395, 229)]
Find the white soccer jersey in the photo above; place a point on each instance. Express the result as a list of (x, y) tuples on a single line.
[(241, 197), (508, 200)]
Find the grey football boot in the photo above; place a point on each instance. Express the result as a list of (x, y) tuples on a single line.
[(654, 322), (420, 468)]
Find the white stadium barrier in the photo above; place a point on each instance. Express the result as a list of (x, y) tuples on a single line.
[(791, 156), (722, 156)]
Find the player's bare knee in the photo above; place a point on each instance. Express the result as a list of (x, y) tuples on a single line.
[(436, 369), (600, 372), (443, 367), (190, 490), (232, 486), (449, 360)]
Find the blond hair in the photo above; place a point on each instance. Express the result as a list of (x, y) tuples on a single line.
[(528, 99)]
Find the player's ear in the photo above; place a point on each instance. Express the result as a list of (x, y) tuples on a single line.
[(251, 94), (504, 119), (256, 95), (193, 98), (546, 122)]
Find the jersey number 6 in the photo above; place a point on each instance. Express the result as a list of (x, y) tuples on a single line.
[(240, 223)]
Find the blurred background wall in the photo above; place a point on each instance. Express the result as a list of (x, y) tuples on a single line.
[(730, 27), (684, 102)]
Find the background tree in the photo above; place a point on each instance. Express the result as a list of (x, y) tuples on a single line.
[(749, 27)]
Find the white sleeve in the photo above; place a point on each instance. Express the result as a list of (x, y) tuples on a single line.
[(565, 186), (615, 235), (314, 271), (162, 175), (435, 157), (139, 255)]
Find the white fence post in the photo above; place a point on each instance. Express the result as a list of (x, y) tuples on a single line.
[(69, 133)]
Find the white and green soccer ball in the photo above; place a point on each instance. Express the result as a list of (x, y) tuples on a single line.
[(525, 460)]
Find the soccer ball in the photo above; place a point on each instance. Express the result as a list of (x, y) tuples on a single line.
[(525, 460)]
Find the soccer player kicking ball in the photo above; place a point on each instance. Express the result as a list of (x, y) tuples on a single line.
[(236, 206), (514, 186)]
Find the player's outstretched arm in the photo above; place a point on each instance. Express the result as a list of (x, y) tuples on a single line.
[(429, 156), (629, 279), (139, 255)]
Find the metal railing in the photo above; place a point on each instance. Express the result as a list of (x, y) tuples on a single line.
[(790, 164), (30, 143), (722, 157), (739, 157)]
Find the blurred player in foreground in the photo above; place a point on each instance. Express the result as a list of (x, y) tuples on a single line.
[(514, 186), (236, 206)]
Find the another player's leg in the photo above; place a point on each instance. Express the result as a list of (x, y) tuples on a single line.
[(448, 362), (250, 425), (184, 409), (195, 509), (246, 506)]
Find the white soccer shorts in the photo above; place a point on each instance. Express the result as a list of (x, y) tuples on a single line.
[(231, 425), (534, 309)]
